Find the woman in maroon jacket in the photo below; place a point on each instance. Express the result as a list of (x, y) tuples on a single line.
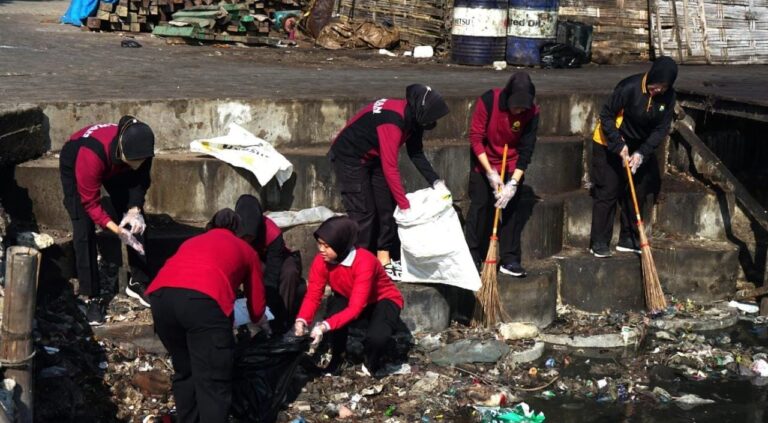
[(361, 290), (192, 301), (502, 116), (118, 157), (283, 283), (364, 157)]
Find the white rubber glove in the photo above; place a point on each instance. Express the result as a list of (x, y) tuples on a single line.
[(317, 333), (635, 161), (128, 239), (299, 328), (624, 153), (506, 194), (134, 218), (494, 180)]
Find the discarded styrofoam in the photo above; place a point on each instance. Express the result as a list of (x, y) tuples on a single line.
[(386, 52), (423, 52), (516, 330), (499, 65), (746, 308)]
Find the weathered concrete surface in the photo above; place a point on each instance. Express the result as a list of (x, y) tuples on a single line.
[(689, 209), (424, 309), (578, 218), (22, 134), (596, 284), (526, 356), (702, 271), (720, 316), (531, 299), (610, 340), (541, 221)]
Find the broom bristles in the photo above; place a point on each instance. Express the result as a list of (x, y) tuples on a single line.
[(488, 309), (654, 296)]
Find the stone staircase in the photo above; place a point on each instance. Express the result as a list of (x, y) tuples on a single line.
[(689, 240)]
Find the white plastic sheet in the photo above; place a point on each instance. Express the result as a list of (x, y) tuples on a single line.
[(286, 219), (242, 317), (433, 248), (243, 149)]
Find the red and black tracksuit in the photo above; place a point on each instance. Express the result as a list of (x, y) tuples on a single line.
[(632, 118), (284, 285), (492, 127), (361, 290), (364, 156), (86, 163), (192, 301)]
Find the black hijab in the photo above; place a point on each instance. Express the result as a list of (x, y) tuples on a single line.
[(520, 91), (224, 219), (663, 70), (340, 233), (136, 139), (251, 215), (425, 104)]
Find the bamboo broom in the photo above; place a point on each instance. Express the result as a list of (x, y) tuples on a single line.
[(488, 309), (654, 296)]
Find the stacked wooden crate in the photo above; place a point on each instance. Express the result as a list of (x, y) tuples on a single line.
[(421, 22), (620, 31), (711, 31)]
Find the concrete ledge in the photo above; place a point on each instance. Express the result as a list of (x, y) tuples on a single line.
[(526, 356), (425, 309), (22, 134), (141, 335), (533, 298), (718, 317), (596, 284), (704, 213), (703, 271), (610, 340)]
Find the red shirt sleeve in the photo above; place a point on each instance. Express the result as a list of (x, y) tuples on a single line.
[(88, 173), (254, 288), (389, 145), (478, 129), (362, 284), (318, 277)]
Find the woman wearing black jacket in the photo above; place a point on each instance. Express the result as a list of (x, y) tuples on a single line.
[(632, 124)]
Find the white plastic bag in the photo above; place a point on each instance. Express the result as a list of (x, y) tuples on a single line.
[(242, 317), (286, 219), (433, 248), (243, 149)]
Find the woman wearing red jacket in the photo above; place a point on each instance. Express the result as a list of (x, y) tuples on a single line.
[(283, 283), (364, 158), (361, 290), (192, 301)]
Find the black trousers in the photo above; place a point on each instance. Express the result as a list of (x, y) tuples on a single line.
[(611, 187), (382, 321), (84, 235), (284, 300), (369, 202), (199, 337), (480, 222)]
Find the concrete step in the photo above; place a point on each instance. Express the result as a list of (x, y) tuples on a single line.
[(532, 298), (703, 271), (690, 209), (22, 134), (190, 187)]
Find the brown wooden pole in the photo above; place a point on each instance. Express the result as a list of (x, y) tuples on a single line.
[(16, 349)]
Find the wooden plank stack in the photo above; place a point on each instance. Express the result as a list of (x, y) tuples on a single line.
[(145, 15), (711, 31), (421, 22), (620, 27)]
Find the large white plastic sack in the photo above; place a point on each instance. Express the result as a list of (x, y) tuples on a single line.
[(433, 248), (243, 149)]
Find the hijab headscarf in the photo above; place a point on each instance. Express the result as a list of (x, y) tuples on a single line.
[(425, 104), (136, 139), (520, 91), (251, 215), (663, 71), (340, 233), (224, 219)]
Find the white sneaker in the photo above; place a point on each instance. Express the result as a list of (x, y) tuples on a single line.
[(393, 273)]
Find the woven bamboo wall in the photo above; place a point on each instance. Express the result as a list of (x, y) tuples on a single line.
[(421, 22), (620, 27), (711, 31)]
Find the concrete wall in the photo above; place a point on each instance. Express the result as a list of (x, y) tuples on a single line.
[(22, 134)]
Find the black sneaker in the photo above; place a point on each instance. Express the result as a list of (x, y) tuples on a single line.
[(628, 245), (135, 290), (600, 251), (513, 269), (94, 313)]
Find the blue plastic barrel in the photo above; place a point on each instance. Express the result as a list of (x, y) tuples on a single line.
[(531, 24), (478, 33)]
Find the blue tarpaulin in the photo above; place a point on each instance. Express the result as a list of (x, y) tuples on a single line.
[(78, 11)]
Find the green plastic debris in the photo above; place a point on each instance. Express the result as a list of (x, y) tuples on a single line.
[(521, 413), (390, 411)]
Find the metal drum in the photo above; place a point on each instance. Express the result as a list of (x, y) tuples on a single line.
[(531, 24), (478, 34)]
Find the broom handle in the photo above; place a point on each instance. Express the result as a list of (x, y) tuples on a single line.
[(498, 209), (640, 226)]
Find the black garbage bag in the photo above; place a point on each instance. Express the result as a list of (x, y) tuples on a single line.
[(263, 374), (561, 56)]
